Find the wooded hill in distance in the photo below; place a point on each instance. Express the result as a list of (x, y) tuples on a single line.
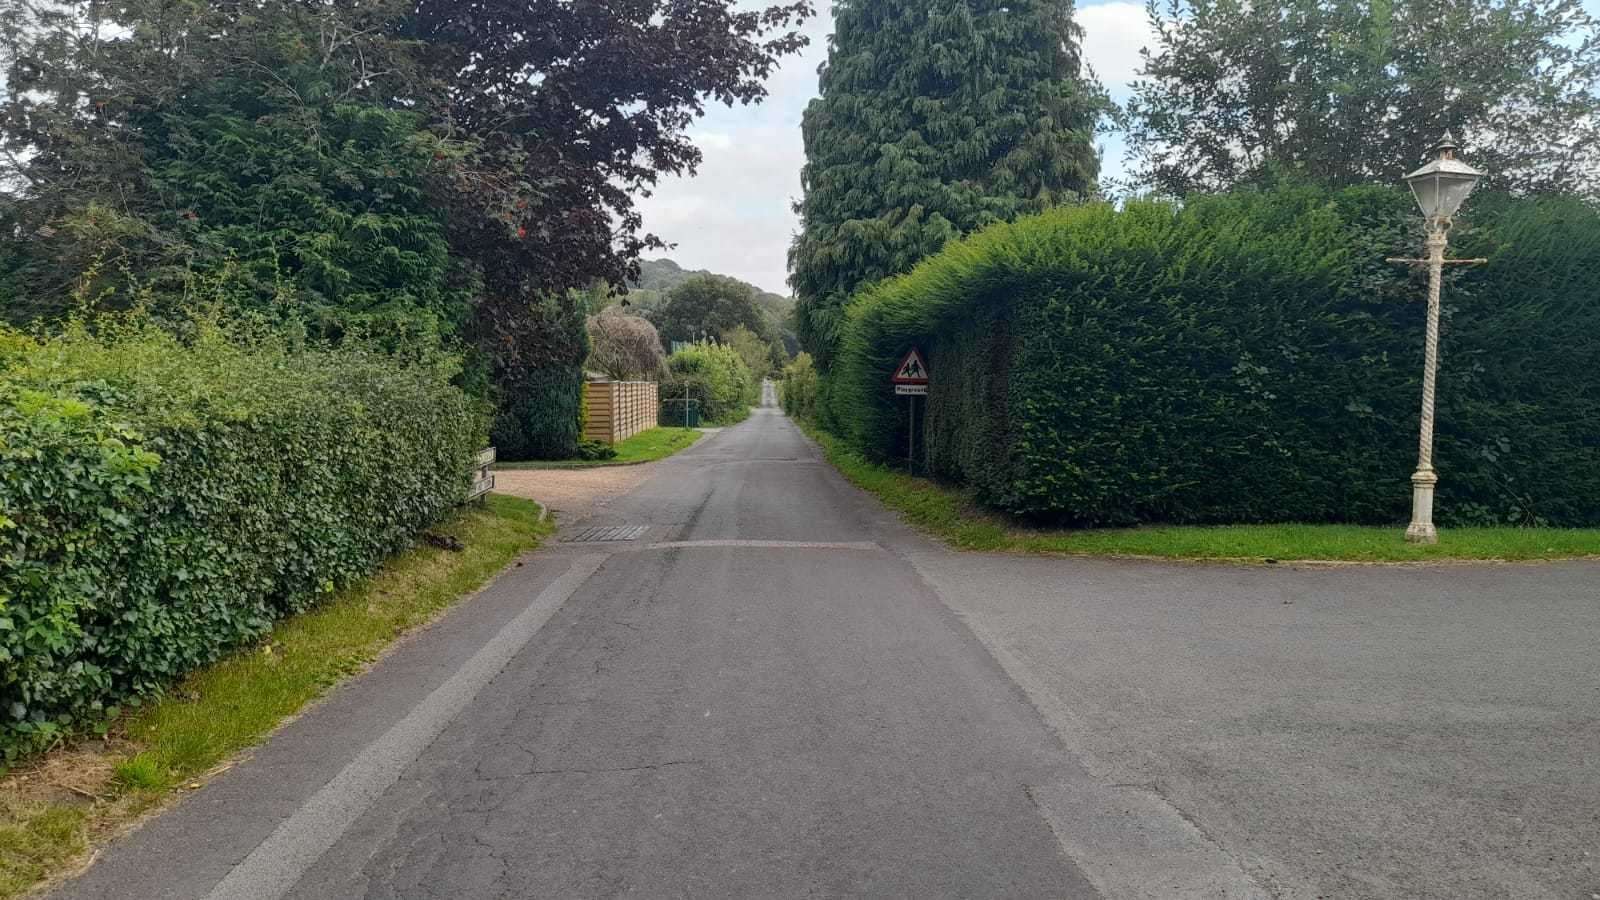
[(657, 277)]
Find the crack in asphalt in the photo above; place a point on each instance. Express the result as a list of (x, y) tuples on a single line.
[(646, 768)]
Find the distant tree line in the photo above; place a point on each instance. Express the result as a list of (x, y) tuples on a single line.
[(682, 307)]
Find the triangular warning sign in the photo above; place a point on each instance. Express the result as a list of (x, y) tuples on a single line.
[(912, 370)]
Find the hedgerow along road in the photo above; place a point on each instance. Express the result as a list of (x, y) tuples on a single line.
[(745, 678)]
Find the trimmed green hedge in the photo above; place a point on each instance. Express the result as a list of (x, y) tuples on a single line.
[(164, 501), (799, 388), (713, 374), (1245, 358)]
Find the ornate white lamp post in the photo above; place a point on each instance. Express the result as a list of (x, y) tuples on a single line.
[(1440, 187)]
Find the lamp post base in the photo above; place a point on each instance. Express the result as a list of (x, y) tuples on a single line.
[(1421, 530)]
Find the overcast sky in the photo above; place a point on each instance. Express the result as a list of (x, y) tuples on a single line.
[(734, 217)]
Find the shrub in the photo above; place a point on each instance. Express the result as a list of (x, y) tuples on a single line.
[(757, 352), (164, 501), (714, 375), (537, 415), (799, 388), (625, 347), (596, 451), (536, 369), (1245, 358)]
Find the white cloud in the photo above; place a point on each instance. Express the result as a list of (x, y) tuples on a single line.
[(711, 140), (1113, 34), (734, 217)]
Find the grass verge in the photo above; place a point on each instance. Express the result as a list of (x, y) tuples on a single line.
[(646, 446), (54, 808), (951, 515)]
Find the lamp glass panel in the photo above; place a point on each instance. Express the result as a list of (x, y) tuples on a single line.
[(1440, 194), (1426, 190), (1453, 191)]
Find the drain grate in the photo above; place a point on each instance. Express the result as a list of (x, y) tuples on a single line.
[(607, 533)]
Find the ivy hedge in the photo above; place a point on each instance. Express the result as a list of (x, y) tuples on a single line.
[(1243, 358), (164, 500)]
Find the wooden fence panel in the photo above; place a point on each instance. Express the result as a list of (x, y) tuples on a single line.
[(617, 410)]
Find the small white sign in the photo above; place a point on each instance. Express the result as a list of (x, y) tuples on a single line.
[(483, 477), (911, 390)]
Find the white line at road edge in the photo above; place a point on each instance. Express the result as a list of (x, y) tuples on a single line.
[(277, 864), (1129, 841)]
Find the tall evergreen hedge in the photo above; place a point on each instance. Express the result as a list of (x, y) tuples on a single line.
[(1244, 358), (163, 501), (933, 120)]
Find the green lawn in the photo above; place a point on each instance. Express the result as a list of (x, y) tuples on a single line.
[(949, 514), (53, 808), (646, 446)]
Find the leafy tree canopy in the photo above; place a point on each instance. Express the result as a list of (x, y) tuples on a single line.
[(137, 168), (473, 162), (710, 306), (658, 276), (1355, 91), (935, 119), (582, 104), (760, 356)]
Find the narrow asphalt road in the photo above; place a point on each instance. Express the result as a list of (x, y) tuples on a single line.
[(768, 687), (755, 697)]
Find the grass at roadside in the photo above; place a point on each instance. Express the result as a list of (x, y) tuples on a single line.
[(950, 515), (52, 809), (646, 446)]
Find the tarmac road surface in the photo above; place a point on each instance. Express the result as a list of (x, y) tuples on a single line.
[(758, 683)]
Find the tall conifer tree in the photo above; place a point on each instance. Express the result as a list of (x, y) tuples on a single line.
[(936, 117)]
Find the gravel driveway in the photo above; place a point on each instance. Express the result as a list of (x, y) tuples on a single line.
[(573, 494)]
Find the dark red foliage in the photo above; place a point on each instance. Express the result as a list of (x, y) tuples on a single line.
[(580, 106)]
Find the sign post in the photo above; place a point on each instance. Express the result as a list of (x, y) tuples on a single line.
[(911, 381), (482, 474)]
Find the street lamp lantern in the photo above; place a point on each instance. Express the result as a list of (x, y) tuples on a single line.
[(1440, 187), (1443, 184)]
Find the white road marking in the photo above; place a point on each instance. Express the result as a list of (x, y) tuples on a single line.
[(274, 867), (1128, 840), (766, 545)]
